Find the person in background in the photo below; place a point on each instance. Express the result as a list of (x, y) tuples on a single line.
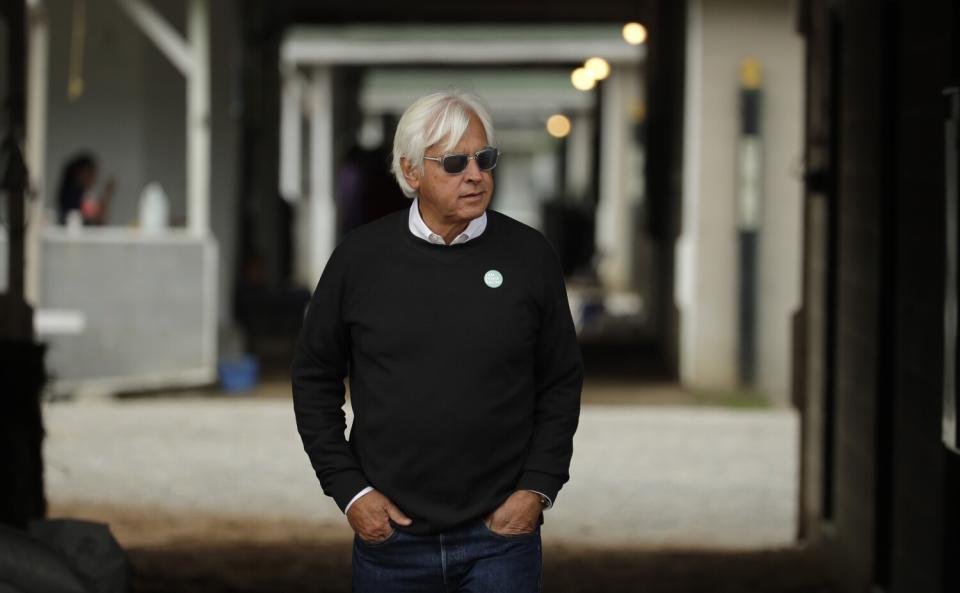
[(77, 191), (365, 188)]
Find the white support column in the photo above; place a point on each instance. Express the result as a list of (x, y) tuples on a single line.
[(198, 119), (322, 213), (36, 149), (192, 58), (291, 116), (687, 285), (613, 219)]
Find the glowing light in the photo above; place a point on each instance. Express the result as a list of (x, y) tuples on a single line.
[(582, 80), (751, 73), (598, 68), (558, 125), (634, 33)]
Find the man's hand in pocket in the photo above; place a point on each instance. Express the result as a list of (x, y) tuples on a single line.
[(519, 514), (370, 515)]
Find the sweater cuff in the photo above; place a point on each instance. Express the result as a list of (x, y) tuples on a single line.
[(545, 484), (346, 486)]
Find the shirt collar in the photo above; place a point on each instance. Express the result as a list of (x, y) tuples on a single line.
[(420, 229)]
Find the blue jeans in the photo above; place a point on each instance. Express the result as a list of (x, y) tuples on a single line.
[(469, 559)]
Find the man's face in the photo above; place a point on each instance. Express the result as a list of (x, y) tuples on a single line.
[(455, 198)]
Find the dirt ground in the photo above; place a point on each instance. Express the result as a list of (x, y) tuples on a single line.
[(194, 553)]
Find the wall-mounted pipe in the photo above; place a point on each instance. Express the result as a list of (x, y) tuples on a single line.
[(749, 203)]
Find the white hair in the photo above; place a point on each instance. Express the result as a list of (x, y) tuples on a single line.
[(428, 120)]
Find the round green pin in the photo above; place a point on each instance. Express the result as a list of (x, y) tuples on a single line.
[(493, 278)]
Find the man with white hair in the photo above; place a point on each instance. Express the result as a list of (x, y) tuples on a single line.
[(452, 322)]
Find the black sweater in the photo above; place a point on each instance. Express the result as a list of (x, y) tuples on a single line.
[(464, 389)]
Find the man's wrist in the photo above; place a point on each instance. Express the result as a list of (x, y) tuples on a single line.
[(357, 496), (545, 501)]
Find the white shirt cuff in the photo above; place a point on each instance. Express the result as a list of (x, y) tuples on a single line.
[(359, 494), (549, 502)]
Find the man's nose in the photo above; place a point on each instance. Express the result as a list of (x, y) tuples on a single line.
[(472, 172)]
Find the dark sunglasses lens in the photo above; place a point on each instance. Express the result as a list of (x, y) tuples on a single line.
[(454, 163), (487, 158)]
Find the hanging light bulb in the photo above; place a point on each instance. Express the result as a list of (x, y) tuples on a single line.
[(634, 33), (582, 80), (598, 68), (558, 125)]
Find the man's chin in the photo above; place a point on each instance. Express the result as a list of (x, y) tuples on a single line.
[(470, 211)]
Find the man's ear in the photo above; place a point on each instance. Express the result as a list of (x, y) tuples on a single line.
[(410, 172)]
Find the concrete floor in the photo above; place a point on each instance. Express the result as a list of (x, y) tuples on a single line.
[(658, 476)]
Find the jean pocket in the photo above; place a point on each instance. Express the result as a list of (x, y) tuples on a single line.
[(483, 524), (393, 535)]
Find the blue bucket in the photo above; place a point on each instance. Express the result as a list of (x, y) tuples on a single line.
[(238, 374)]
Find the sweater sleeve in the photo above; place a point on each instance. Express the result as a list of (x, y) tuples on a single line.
[(558, 377), (320, 363)]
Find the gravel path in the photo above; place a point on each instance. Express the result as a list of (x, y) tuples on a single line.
[(641, 475)]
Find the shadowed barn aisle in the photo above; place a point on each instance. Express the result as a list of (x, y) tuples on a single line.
[(215, 494)]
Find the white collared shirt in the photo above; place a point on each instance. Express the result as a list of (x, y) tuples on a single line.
[(420, 229)]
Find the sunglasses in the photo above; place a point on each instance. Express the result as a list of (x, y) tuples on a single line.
[(454, 162)]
